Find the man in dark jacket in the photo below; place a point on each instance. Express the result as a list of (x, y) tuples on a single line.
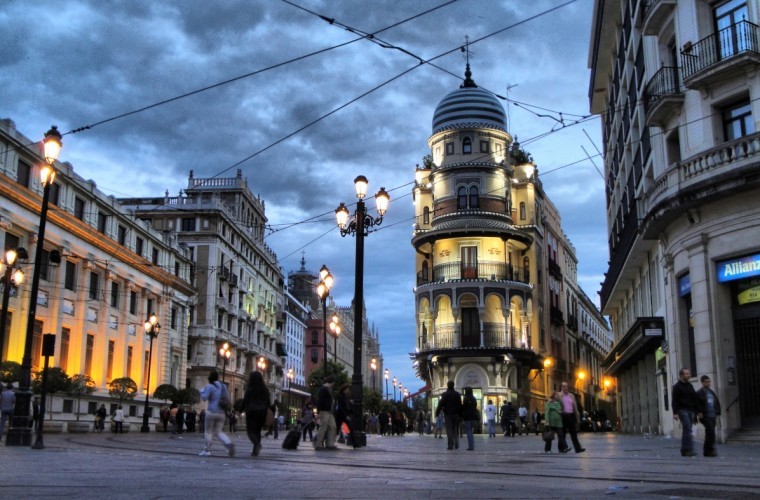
[(508, 415), (451, 406), (684, 402), (326, 434), (708, 407)]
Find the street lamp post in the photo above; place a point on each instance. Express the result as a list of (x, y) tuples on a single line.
[(373, 367), (394, 388), (11, 279), (359, 226), (387, 393), (400, 390), (225, 354), (323, 291), (335, 329), (20, 433), (290, 374), (152, 328), (261, 364)]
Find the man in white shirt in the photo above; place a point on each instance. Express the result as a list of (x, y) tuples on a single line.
[(490, 411), (522, 412)]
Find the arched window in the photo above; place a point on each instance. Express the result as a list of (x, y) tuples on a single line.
[(522, 210), (462, 198), (466, 146), (474, 200), (426, 215)]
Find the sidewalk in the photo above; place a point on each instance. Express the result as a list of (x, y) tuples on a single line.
[(156, 464)]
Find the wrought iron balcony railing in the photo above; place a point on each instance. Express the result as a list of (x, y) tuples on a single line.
[(742, 37), (460, 270), (664, 83)]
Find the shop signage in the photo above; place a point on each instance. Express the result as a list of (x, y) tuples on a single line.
[(684, 286), (739, 268), (749, 292)]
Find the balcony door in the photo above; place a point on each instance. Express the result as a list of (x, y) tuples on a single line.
[(469, 262), (470, 327), (733, 33)]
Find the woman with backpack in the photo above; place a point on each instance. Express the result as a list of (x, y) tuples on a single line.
[(217, 396)]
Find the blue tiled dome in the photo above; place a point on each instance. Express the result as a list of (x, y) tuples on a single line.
[(469, 106)]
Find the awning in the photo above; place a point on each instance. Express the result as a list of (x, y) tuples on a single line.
[(644, 337)]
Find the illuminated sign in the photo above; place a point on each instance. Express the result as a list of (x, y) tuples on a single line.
[(737, 269), (684, 285), (749, 292)]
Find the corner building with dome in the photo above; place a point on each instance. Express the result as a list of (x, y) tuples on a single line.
[(478, 252)]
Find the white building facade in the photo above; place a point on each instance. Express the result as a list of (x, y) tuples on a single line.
[(104, 272), (677, 86)]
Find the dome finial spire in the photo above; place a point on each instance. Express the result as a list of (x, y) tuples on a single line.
[(468, 81)]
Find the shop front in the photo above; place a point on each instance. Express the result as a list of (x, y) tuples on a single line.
[(741, 276)]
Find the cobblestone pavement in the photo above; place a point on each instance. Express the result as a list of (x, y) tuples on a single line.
[(157, 465)]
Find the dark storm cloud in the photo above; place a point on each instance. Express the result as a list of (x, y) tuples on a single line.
[(79, 62)]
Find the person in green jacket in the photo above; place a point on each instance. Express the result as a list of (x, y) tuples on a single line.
[(553, 420)]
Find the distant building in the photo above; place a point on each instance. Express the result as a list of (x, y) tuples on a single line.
[(676, 86), (104, 272), (240, 299)]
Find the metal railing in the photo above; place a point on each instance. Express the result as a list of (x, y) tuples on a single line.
[(460, 270), (731, 41), (664, 83)]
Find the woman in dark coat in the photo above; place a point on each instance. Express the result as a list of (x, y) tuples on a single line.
[(255, 401), (344, 411)]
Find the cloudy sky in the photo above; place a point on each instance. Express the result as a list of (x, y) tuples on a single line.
[(308, 105)]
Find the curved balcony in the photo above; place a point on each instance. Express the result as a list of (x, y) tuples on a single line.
[(718, 171), (655, 14), (482, 270), (663, 95), (495, 336)]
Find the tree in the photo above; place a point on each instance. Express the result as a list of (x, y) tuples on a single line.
[(166, 392), (427, 161), (372, 400), (189, 396), (57, 381), (317, 376), (9, 371), (80, 385), (122, 388)]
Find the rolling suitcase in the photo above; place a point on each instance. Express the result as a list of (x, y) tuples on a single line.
[(292, 439)]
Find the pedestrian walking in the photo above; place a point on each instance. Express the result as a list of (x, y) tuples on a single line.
[(684, 403), (344, 412), (307, 420), (326, 434), (553, 425), (118, 421), (522, 413), (420, 422), (438, 426), (180, 419), (255, 402), (451, 407), (470, 416), (215, 416), (508, 415), (570, 417), (101, 415), (165, 415), (7, 403), (709, 410), (490, 411), (233, 421), (536, 420)]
